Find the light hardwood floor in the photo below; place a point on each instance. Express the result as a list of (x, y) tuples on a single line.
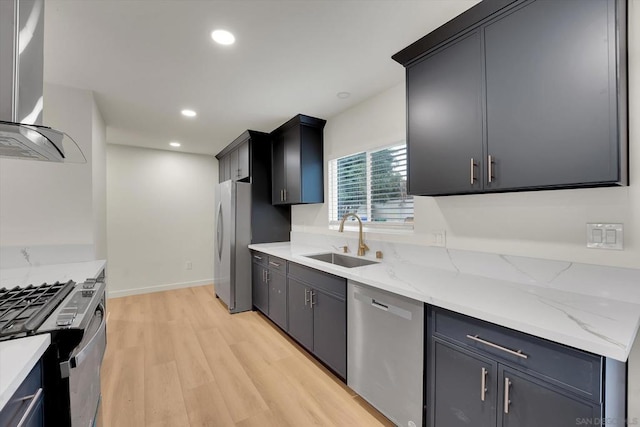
[(178, 358)]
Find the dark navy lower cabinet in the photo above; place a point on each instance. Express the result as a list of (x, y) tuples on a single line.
[(464, 387), (531, 402), (260, 286), (317, 311), (484, 375)]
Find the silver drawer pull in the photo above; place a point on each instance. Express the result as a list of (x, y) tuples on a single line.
[(507, 384), (472, 172), (518, 353), (275, 264), (257, 257), (483, 384), (35, 398)]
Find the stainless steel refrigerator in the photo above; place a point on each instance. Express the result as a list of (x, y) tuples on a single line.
[(232, 263), (244, 215)]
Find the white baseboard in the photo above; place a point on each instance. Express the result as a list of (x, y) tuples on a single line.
[(158, 288)]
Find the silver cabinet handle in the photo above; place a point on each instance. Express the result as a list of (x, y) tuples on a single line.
[(490, 167), (257, 257), (285, 194), (518, 353), (472, 171), (306, 297), (35, 398), (507, 384), (313, 294), (266, 275), (379, 305), (275, 264), (282, 195), (483, 384)]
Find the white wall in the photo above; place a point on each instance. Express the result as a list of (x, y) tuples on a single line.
[(45, 204), (99, 182), (544, 224), (160, 214)]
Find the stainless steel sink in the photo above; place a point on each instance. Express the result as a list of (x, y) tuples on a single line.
[(341, 260)]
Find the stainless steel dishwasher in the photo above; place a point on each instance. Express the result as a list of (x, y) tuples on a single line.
[(385, 347)]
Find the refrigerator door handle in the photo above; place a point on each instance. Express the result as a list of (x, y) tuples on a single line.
[(219, 231)]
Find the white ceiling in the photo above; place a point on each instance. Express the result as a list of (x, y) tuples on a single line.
[(146, 60)]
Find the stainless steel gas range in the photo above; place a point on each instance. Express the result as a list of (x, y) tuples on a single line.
[(74, 314)]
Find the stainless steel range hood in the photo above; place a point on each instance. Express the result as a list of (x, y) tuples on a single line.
[(22, 135)]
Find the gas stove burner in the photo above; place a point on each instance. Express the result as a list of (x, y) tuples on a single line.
[(22, 310)]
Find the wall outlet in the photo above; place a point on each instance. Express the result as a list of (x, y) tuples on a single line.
[(605, 236), (438, 238), (188, 265)]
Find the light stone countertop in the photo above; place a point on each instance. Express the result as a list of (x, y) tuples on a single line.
[(17, 358), (593, 308)]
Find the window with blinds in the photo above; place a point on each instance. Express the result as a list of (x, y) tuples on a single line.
[(372, 184)]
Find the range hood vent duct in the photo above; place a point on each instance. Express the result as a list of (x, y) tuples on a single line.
[(22, 135)]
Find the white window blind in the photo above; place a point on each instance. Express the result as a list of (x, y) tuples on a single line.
[(373, 185)]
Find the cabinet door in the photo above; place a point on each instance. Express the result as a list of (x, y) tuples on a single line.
[(293, 166), (456, 396), (278, 173), (300, 313), (233, 165), (444, 95), (533, 403), (278, 298), (243, 160), (330, 330), (260, 288), (222, 169), (551, 95)]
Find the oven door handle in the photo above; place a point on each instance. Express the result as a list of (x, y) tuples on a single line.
[(78, 357)]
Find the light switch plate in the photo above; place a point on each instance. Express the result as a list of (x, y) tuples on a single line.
[(605, 236)]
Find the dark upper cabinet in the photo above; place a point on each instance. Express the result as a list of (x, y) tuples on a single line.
[(519, 95), (234, 164), (248, 159), (444, 98), (297, 159), (243, 160), (551, 95)]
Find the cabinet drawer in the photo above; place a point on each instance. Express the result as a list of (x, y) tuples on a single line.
[(260, 258), (319, 279), (25, 398), (277, 264), (564, 366)]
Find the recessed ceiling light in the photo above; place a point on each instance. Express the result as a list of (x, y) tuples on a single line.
[(343, 95), (174, 144), (188, 113), (223, 37)]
